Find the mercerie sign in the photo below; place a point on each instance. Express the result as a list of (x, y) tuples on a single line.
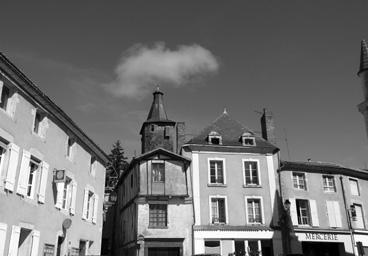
[(320, 236)]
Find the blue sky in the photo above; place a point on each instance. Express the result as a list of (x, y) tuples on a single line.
[(297, 58)]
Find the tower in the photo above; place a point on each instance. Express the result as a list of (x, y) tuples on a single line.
[(158, 131), (363, 74)]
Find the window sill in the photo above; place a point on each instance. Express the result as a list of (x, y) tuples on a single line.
[(329, 192), (255, 223), (218, 224), (300, 189), (39, 136), (216, 185), (163, 227), (252, 186)]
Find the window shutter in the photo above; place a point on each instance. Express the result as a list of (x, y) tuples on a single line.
[(337, 214), (74, 197), (95, 210), (293, 213), (23, 173), (12, 167), (3, 228), (1, 90), (44, 125), (314, 213), (14, 240), (59, 195), (35, 242), (43, 184), (85, 203), (331, 213)]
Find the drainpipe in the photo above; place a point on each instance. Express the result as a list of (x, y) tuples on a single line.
[(348, 216)]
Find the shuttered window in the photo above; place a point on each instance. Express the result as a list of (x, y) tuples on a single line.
[(354, 187), (334, 214)]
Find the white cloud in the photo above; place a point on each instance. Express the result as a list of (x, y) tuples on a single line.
[(142, 67)]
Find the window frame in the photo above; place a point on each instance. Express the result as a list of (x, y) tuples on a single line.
[(5, 106), (246, 198), (298, 212), (36, 175), (360, 205), (214, 135), (357, 185), (4, 154), (326, 187), (258, 172), (158, 162), (226, 209), (67, 194), (158, 223), (223, 160), (297, 174)]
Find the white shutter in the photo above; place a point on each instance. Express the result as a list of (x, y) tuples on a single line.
[(85, 203), (59, 195), (1, 90), (3, 228), (14, 240), (44, 125), (337, 214), (43, 183), (74, 197), (12, 167), (293, 213), (35, 242), (95, 210), (331, 213), (24, 173), (314, 213)]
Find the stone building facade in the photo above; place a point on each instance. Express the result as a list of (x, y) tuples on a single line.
[(43, 213)]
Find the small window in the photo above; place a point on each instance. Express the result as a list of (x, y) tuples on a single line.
[(303, 212), (299, 181), (216, 172), (152, 128), (214, 138), (67, 194), (37, 121), (251, 173), (354, 187), (5, 94), (90, 205), (357, 216), (158, 215), (329, 183), (166, 132), (254, 211), (3, 150), (69, 148), (92, 166), (158, 172), (248, 139), (218, 211)]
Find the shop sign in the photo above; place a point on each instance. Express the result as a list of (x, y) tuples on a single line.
[(321, 236)]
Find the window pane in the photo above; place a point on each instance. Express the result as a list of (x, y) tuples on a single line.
[(158, 215), (216, 172), (158, 172), (251, 173)]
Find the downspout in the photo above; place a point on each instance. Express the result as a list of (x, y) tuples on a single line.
[(348, 216)]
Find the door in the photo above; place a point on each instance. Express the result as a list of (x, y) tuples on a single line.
[(162, 251)]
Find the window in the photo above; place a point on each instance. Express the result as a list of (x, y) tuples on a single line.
[(3, 150), (254, 210), (69, 148), (216, 171), (92, 166), (251, 173), (67, 193), (212, 247), (5, 94), (158, 171), (218, 211), (34, 167), (37, 121), (329, 184), (299, 180), (158, 215), (357, 216), (24, 241), (214, 138), (40, 123), (334, 214), (303, 212), (354, 187), (90, 205), (248, 139)]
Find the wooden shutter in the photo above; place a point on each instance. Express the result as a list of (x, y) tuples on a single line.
[(85, 203), (314, 213), (12, 166), (35, 242), (43, 182), (337, 214), (14, 240), (3, 228), (59, 195), (95, 210), (293, 212), (331, 213), (74, 197), (24, 173)]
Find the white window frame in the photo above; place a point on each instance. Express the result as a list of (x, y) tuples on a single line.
[(67, 197), (223, 160), (210, 207), (36, 178), (357, 184), (214, 135), (305, 180), (258, 172), (309, 213), (261, 208), (245, 137), (90, 211), (328, 188)]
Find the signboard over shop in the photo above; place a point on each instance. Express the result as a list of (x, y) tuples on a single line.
[(320, 237)]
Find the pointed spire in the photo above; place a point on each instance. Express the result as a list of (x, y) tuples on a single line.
[(225, 111), (157, 111), (363, 57)]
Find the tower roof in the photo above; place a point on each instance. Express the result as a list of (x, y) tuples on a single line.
[(157, 111), (363, 57)]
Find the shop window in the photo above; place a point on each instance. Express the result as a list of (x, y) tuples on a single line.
[(157, 215), (299, 181), (354, 187), (251, 173), (254, 211), (303, 212), (218, 210), (216, 168), (212, 247), (158, 171), (329, 183)]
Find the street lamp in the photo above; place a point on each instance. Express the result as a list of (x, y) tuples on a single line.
[(287, 205)]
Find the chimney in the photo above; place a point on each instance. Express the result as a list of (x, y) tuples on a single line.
[(268, 127)]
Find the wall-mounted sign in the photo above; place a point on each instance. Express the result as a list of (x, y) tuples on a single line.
[(59, 176), (321, 236)]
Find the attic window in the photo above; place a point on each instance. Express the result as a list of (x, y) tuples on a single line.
[(214, 138), (248, 139)]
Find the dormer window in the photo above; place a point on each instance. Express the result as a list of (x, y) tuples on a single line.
[(214, 138), (248, 139)]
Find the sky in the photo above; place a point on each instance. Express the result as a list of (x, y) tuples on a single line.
[(100, 62)]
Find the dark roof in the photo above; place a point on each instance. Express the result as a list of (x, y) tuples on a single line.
[(363, 57), (323, 167), (157, 112), (56, 112), (231, 132), (232, 228)]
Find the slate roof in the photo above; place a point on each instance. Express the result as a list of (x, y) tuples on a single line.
[(363, 57), (157, 111), (231, 132)]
